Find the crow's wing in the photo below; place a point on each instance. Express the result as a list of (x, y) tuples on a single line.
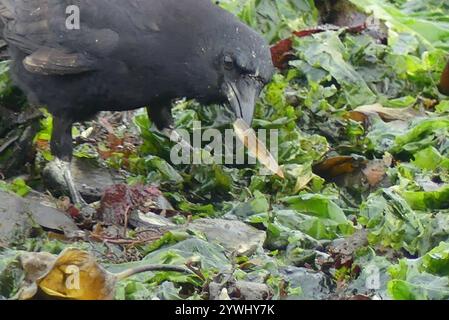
[(38, 29), (49, 61)]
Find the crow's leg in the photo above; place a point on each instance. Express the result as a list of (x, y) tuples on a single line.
[(58, 171), (62, 148), (163, 119), (176, 138)]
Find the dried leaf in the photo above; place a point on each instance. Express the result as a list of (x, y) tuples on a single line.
[(354, 169), (35, 265), (387, 114), (282, 52), (376, 170), (444, 82), (337, 166), (256, 148), (75, 274)]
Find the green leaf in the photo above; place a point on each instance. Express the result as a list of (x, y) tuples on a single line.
[(428, 200), (329, 214), (437, 261)]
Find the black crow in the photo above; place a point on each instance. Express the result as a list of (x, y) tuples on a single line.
[(128, 54)]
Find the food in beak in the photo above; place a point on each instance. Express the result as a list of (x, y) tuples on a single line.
[(256, 147)]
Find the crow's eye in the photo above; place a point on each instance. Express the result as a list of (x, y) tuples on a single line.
[(228, 63)]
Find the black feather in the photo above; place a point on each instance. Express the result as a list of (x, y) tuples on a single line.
[(127, 54)]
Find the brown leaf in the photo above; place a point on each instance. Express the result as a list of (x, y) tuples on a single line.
[(387, 114), (337, 166), (75, 274), (444, 82), (376, 170), (374, 173), (348, 170), (282, 52), (35, 265)]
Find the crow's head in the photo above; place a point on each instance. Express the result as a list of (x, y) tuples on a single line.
[(245, 66), (235, 61), (218, 58)]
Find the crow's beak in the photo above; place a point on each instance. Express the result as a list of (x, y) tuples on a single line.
[(242, 96)]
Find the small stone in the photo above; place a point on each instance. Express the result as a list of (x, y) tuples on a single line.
[(233, 235)]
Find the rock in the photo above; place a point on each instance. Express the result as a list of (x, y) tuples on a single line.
[(139, 219), (343, 250), (18, 216), (90, 179), (233, 235), (253, 290), (216, 291), (314, 285), (240, 290), (17, 150), (344, 13), (19, 124), (341, 13)]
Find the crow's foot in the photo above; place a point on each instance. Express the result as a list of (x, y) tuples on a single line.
[(59, 176)]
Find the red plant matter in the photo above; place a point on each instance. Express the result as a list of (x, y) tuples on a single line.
[(444, 82), (282, 53), (116, 145), (74, 212), (120, 200)]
